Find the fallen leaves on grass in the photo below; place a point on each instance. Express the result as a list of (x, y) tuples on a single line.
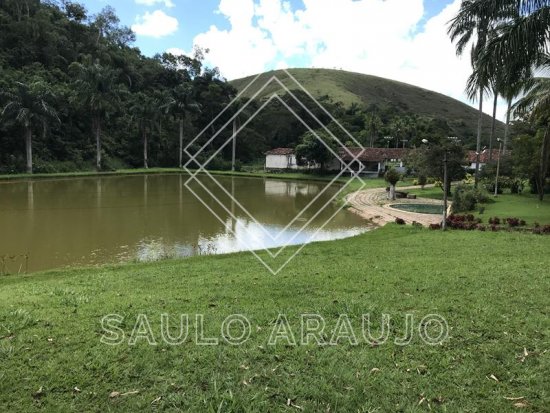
[(290, 403), (39, 393), (116, 394), (493, 377), (520, 405)]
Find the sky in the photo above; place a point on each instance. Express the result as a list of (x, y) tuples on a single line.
[(404, 40)]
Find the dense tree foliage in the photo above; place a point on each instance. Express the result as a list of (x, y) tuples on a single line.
[(115, 106), (509, 41), (94, 101)]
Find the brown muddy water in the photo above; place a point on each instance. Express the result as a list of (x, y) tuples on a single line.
[(48, 224)]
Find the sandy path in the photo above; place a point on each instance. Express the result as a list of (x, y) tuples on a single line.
[(372, 204)]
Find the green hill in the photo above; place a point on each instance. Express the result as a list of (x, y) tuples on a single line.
[(349, 87)]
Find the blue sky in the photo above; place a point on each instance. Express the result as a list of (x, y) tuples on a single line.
[(405, 40), (194, 17)]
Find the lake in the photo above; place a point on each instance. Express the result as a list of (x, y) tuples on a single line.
[(54, 223)]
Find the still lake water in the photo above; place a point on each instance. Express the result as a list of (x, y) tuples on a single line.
[(46, 224)]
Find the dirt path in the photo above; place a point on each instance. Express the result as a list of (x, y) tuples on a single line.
[(372, 204)]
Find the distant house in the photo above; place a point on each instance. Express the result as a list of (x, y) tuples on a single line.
[(280, 159), (484, 158), (371, 161)]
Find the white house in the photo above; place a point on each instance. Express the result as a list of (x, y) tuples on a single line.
[(280, 158), (371, 161)]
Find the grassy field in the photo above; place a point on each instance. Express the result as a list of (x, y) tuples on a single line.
[(492, 288), (524, 206), (349, 87)]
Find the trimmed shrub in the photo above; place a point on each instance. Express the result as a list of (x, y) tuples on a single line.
[(512, 222)]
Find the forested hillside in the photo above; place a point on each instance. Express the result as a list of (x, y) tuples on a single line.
[(76, 95), (70, 80), (373, 92)]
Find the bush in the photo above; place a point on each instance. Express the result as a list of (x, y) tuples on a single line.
[(512, 222), (464, 199), (399, 221), (465, 222), (422, 181), (545, 230), (494, 221), (435, 226), (517, 186)]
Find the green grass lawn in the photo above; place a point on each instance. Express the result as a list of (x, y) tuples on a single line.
[(524, 206), (492, 288), (433, 192)]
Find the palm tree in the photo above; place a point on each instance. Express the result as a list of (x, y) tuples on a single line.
[(29, 105), (463, 29), (98, 91), (143, 110), (397, 126), (524, 35), (536, 104), (373, 124), (515, 80), (181, 104)]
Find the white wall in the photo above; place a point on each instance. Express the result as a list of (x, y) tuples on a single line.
[(280, 162)]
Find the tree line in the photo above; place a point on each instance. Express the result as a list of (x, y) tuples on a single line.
[(508, 44), (76, 95)]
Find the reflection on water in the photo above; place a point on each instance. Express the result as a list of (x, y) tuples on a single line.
[(87, 221)]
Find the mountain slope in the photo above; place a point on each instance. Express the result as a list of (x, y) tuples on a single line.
[(349, 87)]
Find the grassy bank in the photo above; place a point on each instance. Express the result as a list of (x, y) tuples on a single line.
[(141, 171), (524, 206), (490, 287)]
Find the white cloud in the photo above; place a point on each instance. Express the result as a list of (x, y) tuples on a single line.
[(378, 37), (176, 51), (155, 24), (167, 3), (242, 50)]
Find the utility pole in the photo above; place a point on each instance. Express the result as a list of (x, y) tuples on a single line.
[(445, 192), (234, 148), (498, 165)]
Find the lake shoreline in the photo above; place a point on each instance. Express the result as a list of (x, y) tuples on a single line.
[(175, 171)]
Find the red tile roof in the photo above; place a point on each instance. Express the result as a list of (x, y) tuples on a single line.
[(484, 157), (280, 151)]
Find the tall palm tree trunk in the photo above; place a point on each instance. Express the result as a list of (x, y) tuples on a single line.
[(507, 127), (234, 145), (28, 148), (544, 152), (181, 143), (145, 158), (493, 126), (478, 141)]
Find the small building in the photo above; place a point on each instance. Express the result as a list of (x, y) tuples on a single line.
[(280, 159), (484, 157), (373, 161)]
